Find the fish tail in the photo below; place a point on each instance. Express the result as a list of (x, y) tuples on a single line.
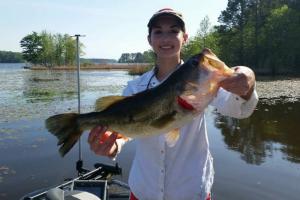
[(67, 130)]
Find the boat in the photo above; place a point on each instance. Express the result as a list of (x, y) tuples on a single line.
[(89, 184), (96, 184)]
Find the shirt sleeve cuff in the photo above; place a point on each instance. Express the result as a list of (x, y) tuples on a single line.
[(249, 105), (119, 142)]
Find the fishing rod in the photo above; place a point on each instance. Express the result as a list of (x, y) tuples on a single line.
[(79, 163)]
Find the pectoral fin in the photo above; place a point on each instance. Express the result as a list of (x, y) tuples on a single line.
[(105, 102), (172, 137)]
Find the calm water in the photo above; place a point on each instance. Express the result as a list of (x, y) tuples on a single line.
[(254, 158)]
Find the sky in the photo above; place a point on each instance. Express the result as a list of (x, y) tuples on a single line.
[(111, 27)]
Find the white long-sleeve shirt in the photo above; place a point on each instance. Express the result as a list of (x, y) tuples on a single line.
[(185, 171)]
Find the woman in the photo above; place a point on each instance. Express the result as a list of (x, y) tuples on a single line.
[(184, 171)]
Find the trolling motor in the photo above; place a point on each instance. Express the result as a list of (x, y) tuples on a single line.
[(80, 169)]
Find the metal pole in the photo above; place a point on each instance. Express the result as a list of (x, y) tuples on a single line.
[(78, 87), (79, 163), (78, 71)]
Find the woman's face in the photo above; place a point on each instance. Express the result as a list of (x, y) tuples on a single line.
[(167, 38)]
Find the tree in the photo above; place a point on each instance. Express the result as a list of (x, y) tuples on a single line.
[(233, 21), (281, 32), (50, 50), (59, 45), (192, 47), (124, 58), (149, 56), (138, 58), (46, 56), (206, 38), (204, 29), (70, 50), (133, 58), (32, 47)]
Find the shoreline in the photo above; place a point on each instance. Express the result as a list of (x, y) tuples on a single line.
[(137, 66), (118, 66)]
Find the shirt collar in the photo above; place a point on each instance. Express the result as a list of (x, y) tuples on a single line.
[(152, 78)]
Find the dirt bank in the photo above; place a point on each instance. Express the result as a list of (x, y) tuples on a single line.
[(278, 89)]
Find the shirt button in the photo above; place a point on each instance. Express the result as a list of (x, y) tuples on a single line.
[(162, 151), (162, 171), (162, 190)]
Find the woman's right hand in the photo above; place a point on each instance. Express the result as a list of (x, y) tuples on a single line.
[(103, 142)]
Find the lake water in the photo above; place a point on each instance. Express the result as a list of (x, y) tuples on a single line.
[(254, 158)]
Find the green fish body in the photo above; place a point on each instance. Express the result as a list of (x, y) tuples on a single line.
[(162, 109)]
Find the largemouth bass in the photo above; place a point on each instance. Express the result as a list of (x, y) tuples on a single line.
[(162, 109)]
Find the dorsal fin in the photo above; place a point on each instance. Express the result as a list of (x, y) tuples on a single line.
[(106, 101)]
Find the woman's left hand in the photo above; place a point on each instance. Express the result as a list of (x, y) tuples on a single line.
[(242, 83)]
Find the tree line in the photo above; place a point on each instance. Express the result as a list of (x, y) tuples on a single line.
[(10, 57), (262, 34), (145, 57), (49, 49)]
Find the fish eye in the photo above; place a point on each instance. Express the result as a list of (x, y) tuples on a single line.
[(195, 61)]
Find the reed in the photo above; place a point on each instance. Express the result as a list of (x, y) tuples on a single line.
[(132, 68), (139, 69)]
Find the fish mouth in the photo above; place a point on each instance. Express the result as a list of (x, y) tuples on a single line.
[(211, 62)]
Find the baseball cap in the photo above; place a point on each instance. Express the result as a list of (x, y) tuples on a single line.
[(167, 12)]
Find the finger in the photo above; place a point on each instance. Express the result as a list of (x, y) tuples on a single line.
[(95, 132), (237, 68), (101, 140), (101, 137), (98, 146), (227, 83), (103, 148), (98, 149), (233, 80), (108, 144)]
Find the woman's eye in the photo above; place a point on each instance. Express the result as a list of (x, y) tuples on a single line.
[(175, 31), (156, 32)]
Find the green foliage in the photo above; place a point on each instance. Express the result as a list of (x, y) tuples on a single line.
[(149, 56), (49, 50), (146, 57), (261, 34), (281, 33), (32, 47), (10, 57), (192, 47), (70, 50), (47, 54), (206, 38)]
